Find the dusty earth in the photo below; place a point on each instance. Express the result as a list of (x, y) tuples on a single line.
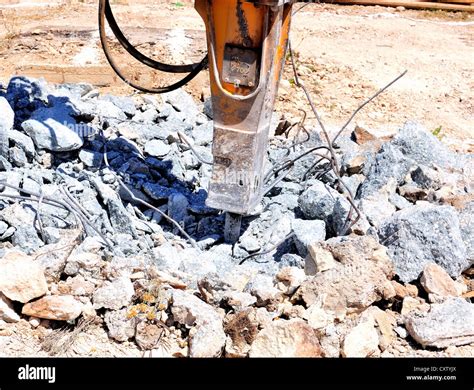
[(345, 54)]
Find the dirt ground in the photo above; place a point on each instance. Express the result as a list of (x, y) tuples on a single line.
[(345, 54)]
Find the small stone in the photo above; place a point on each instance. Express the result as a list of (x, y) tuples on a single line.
[(426, 178), (401, 291), (361, 341), (84, 263), (239, 300), (109, 111), (7, 313), (292, 260), (120, 219), (399, 201), (53, 129), (385, 323), (6, 124), (318, 260), (288, 310), (377, 209), (77, 286), (3, 227), (261, 287), (125, 103), (363, 135), (203, 134), (8, 233), (182, 102), (164, 278), (307, 232), (21, 278), (5, 164), (317, 202), (119, 326), (388, 291), (114, 295), (17, 156), (34, 322), (466, 223), (410, 304), (88, 310), (317, 317), (446, 324), (355, 164), (412, 290), (54, 307), (353, 182), (148, 335), (167, 257), (286, 338), (412, 192), (402, 332), (290, 278), (435, 280), (21, 218), (91, 158), (157, 191), (208, 338), (264, 317), (330, 342), (157, 148), (51, 234), (390, 165), (178, 207)]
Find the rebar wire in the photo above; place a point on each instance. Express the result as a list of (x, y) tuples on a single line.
[(274, 169), (331, 158), (184, 139), (63, 203), (379, 92), (330, 143), (268, 250)]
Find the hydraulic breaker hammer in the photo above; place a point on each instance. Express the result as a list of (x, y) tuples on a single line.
[(247, 44)]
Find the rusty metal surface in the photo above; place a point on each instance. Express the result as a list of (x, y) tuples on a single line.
[(233, 223), (240, 66)]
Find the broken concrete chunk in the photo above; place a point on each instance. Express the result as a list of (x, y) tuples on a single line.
[(54, 307), (448, 323), (286, 338), (21, 278)]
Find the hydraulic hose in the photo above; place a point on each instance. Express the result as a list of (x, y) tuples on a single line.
[(106, 12)]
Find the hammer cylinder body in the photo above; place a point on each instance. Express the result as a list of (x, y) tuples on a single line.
[(247, 43)]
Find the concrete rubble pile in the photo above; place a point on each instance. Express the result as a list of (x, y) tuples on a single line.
[(399, 283)]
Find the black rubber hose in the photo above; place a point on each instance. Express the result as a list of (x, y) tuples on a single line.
[(108, 56), (140, 56)]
